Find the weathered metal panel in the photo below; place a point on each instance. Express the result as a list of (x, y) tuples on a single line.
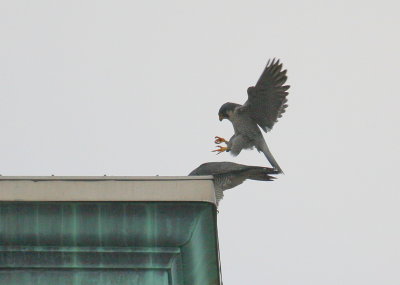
[(108, 230)]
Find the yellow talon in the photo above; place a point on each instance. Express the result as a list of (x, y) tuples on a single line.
[(219, 140), (220, 149)]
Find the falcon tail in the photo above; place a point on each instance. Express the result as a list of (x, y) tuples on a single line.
[(262, 174), (264, 148)]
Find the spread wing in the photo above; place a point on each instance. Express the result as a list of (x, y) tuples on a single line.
[(267, 100)]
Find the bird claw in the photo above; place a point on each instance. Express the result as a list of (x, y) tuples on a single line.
[(220, 149), (219, 140)]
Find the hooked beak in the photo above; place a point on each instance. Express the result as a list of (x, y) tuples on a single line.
[(220, 117)]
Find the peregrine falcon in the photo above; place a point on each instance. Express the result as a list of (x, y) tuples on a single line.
[(228, 175), (265, 104)]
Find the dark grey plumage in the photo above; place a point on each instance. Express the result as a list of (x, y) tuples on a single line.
[(265, 104), (228, 175)]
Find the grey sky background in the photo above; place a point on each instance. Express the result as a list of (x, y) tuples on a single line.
[(133, 88)]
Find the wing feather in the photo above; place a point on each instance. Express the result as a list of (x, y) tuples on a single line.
[(267, 99)]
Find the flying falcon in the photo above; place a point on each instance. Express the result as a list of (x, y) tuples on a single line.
[(228, 175), (265, 104)]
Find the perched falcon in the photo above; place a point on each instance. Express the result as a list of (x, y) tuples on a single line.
[(228, 175), (265, 104)]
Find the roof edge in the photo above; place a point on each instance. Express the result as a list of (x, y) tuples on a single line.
[(105, 178)]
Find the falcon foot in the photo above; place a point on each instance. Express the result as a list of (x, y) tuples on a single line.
[(219, 140), (220, 149)]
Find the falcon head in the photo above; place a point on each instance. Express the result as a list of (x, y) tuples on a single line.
[(226, 110)]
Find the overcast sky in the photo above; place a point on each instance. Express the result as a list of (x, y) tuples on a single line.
[(133, 88)]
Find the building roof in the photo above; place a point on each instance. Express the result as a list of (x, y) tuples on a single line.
[(107, 188)]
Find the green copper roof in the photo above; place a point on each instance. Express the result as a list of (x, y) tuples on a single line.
[(99, 242)]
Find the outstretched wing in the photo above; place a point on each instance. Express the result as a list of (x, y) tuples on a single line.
[(267, 100)]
